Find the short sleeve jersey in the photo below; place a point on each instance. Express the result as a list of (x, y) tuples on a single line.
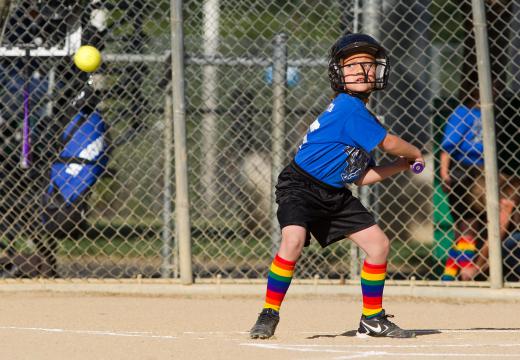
[(337, 147), (463, 136)]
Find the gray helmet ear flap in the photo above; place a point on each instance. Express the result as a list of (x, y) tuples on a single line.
[(352, 44)]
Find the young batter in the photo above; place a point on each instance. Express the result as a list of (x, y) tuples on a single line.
[(312, 194)]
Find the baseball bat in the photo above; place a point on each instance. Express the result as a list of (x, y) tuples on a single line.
[(417, 167)]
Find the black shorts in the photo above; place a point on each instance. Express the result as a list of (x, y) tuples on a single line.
[(329, 214)]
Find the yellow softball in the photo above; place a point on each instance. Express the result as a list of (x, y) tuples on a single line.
[(87, 58)]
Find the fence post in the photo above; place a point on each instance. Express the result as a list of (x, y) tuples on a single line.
[(166, 250), (278, 128), (182, 215), (490, 155), (210, 98)]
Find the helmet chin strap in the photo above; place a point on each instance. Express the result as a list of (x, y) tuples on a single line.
[(360, 95)]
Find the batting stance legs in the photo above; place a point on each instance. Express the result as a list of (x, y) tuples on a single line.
[(374, 321)]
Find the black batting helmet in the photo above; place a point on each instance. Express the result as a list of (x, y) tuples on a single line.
[(352, 44)]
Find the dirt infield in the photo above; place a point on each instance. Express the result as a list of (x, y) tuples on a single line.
[(43, 325)]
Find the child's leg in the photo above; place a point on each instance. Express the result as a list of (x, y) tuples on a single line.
[(282, 267), (463, 252), (374, 321), (376, 246), (451, 269), (279, 279)]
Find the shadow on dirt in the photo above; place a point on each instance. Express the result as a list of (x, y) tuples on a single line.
[(418, 332)]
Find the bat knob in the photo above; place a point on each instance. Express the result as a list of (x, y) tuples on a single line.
[(417, 167)]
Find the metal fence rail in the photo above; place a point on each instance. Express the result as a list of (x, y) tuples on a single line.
[(205, 101)]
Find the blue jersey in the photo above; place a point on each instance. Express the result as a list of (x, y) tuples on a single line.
[(337, 147), (463, 136)]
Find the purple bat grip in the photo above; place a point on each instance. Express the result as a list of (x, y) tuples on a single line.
[(417, 167)]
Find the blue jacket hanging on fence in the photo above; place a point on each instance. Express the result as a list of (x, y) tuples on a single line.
[(80, 163), (83, 157)]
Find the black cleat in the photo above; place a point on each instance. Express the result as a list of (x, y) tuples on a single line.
[(265, 325), (380, 326)]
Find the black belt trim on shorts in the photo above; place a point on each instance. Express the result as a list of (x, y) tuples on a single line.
[(300, 171)]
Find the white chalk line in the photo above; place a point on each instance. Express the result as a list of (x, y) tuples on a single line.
[(202, 335), (362, 346), (209, 333), (349, 350), (140, 334), (352, 354), (344, 352), (428, 331), (421, 332), (214, 332), (149, 334), (477, 331), (371, 354)]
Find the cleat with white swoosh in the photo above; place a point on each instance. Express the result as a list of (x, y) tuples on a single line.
[(380, 326)]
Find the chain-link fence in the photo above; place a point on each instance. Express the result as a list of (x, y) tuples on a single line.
[(254, 79), (82, 196)]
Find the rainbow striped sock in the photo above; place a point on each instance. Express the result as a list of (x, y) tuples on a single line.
[(278, 282), (450, 270), (466, 249), (372, 286), (459, 256)]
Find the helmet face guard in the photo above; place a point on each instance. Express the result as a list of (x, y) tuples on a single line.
[(354, 44)]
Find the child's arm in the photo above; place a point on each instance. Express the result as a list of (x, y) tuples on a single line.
[(378, 173), (445, 170), (394, 145)]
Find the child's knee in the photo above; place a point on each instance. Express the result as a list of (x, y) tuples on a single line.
[(385, 247), (294, 242), (382, 249)]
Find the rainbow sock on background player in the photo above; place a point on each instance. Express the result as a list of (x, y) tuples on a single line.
[(450, 270), (459, 256), (372, 286), (278, 281)]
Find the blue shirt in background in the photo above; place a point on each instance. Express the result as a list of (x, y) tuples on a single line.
[(463, 136), (337, 147)]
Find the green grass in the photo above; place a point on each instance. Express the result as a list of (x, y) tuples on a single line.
[(116, 247)]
